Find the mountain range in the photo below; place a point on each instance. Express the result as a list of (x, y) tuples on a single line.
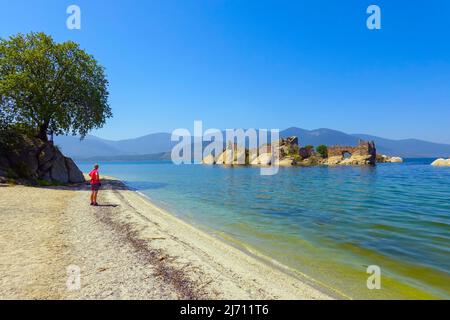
[(158, 145)]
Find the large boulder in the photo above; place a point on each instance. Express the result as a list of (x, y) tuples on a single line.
[(264, 159), (334, 160), (75, 175), (209, 159), (232, 155), (31, 159), (46, 157), (286, 162), (58, 170), (240, 156), (441, 162), (396, 160), (225, 157), (286, 146), (386, 159)]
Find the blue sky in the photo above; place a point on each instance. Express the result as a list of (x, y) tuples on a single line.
[(261, 64)]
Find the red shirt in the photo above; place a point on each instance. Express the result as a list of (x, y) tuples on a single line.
[(95, 177)]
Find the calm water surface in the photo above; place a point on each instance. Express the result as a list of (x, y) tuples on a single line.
[(326, 223)]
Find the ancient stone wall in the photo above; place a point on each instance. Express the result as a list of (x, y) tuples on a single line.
[(364, 148)]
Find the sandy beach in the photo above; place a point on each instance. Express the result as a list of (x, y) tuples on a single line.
[(127, 248)]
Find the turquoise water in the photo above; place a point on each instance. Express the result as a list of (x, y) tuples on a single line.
[(326, 223)]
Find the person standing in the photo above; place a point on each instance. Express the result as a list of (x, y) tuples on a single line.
[(95, 185)]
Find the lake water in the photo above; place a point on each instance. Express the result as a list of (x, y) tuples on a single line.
[(328, 223)]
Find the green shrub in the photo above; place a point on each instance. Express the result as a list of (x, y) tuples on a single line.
[(46, 183), (293, 150), (22, 170), (322, 150)]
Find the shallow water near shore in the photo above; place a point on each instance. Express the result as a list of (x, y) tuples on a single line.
[(329, 223)]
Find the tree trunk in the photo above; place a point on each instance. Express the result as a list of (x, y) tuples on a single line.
[(43, 132)]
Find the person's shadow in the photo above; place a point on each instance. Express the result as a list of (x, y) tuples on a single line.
[(107, 205)]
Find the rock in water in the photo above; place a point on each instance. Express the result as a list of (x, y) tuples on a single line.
[(386, 159), (264, 159), (441, 162), (286, 162), (362, 154), (209, 159), (225, 157), (396, 160)]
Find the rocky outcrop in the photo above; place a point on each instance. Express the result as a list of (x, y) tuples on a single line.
[(209, 159), (364, 153), (286, 162), (387, 159), (287, 146), (441, 162), (396, 160), (288, 153), (333, 161), (232, 155), (310, 161), (264, 159), (31, 159)]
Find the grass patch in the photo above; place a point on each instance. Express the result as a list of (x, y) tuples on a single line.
[(46, 183)]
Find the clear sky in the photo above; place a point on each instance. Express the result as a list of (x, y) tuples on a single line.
[(261, 64)]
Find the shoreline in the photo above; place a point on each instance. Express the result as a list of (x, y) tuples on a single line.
[(251, 257), (128, 248), (253, 253), (249, 251)]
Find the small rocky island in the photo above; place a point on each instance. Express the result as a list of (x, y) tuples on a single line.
[(292, 154)]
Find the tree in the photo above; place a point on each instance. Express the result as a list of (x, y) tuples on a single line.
[(48, 87), (322, 150)]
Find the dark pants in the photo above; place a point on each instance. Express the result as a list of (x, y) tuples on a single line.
[(95, 187)]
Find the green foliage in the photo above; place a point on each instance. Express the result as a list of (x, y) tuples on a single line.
[(293, 150), (10, 174), (309, 147), (50, 87), (296, 157), (11, 140), (45, 183), (322, 150), (21, 170)]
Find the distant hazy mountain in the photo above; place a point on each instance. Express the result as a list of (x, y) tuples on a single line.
[(155, 146), (92, 146), (151, 143), (320, 136), (412, 148), (133, 157)]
